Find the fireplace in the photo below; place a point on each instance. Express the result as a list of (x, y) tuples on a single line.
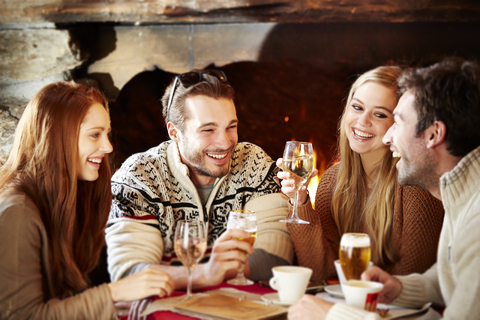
[(299, 102), (290, 62)]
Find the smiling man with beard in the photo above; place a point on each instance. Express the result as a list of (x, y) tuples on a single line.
[(200, 174)]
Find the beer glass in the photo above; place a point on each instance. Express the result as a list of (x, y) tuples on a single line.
[(244, 220), (354, 254)]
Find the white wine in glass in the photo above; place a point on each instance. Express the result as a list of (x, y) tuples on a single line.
[(190, 246), (298, 160), (244, 220)]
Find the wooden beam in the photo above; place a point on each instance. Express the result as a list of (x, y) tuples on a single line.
[(238, 11)]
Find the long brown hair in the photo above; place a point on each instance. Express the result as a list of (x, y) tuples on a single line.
[(43, 164), (354, 208)]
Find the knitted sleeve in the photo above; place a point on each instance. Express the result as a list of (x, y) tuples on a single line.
[(316, 244), (133, 233), (418, 289), (417, 226)]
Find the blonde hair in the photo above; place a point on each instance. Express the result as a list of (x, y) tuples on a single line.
[(354, 207), (43, 164)]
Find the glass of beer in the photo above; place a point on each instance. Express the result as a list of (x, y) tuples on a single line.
[(244, 220), (354, 254)]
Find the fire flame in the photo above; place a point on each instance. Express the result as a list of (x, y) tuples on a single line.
[(313, 184)]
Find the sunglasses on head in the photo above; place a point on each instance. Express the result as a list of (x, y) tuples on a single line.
[(192, 78)]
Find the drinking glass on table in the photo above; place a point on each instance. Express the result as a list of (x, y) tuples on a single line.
[(244, 220), (354, 254), (298, 161), (190, 246)]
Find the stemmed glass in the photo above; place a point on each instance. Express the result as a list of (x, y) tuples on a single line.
[(244, 220), (298, 160), (190, 246)]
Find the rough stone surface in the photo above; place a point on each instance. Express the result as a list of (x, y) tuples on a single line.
[(179, 48), (34, 54), (8, 123), (31, 56)]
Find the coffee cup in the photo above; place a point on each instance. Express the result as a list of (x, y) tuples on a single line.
[(362, 294), (340, 275), (290, 282)]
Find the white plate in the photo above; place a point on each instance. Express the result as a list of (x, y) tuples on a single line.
[(275, 299), (335, 290)]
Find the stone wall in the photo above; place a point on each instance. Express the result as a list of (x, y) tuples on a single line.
[(31, 56), (109, 42)]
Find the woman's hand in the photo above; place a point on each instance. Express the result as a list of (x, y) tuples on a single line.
[(287, 184), (146, 283)]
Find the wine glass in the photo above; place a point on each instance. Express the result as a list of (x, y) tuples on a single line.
[(190, 246), (298, 160), (244, 220)]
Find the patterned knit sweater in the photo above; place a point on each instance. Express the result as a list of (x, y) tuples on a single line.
[(153, 190), (418, 218)]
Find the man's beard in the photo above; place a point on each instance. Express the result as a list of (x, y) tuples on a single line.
[(196, 162), (421, 173)]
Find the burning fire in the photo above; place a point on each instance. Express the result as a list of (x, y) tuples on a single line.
[(313, 184)]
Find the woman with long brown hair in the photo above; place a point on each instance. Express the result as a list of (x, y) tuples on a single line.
[(54, 203), (361, 193)]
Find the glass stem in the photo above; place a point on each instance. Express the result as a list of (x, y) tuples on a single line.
[(240, 274), (295, 206), (189, 286)]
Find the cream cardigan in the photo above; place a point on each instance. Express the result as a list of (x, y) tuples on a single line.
[(454, 281)]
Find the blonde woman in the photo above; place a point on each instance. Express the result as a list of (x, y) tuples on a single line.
[(54, 202), (361, 194)]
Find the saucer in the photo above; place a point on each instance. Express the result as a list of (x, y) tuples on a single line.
[(335, 290), (275, 299)]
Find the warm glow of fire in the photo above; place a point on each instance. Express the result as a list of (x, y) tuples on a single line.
[(312, 185)]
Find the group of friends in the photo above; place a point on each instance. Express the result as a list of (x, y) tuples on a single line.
[(408, 175)]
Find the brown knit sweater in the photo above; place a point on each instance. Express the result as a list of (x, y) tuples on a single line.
[(418, 219)]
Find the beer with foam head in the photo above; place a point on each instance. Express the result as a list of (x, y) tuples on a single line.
[(354, 254)]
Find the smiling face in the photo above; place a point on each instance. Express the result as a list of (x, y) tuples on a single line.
[(416, 164), (93, 142), (209, 137), (368, 118)]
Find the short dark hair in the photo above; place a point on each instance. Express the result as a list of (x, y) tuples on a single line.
[(448, 91), (210, 86)]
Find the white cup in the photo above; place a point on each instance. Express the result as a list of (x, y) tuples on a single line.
[(341, 276), (290, 282), (362, 294)]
